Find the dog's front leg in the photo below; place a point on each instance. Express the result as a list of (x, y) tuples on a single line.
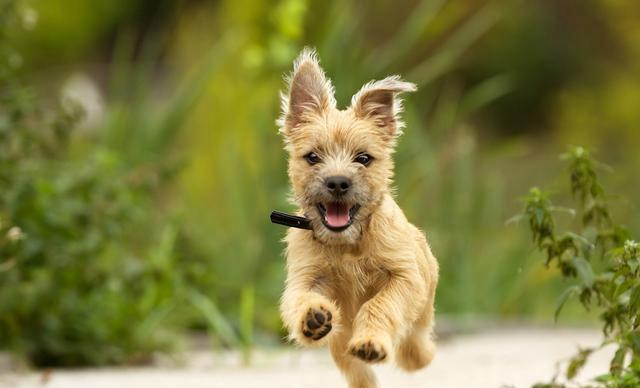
[(306, 311), (389, 313)]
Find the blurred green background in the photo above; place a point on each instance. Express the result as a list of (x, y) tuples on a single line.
[(139, 158)]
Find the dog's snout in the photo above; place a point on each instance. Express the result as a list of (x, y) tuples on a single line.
[(338, 185)]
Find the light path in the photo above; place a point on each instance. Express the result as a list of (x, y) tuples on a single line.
[(498, 358)]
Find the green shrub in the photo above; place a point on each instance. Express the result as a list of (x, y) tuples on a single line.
[(604, 263), (88, 272), (74, 288)]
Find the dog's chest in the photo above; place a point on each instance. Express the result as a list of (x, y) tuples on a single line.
[(357, 276)]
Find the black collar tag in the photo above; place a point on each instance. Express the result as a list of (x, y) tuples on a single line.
[(289, 220)]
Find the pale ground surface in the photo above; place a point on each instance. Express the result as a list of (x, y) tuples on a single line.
[(495, 358)]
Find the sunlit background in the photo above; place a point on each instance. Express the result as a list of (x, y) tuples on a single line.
[(139, 158)]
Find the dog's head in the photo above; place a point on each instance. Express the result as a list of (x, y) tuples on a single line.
[(340, 162)]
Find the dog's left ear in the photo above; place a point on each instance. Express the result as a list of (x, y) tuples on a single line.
[(378, 101)]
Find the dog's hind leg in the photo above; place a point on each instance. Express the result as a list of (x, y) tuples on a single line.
[(356, 371), (416, 350)]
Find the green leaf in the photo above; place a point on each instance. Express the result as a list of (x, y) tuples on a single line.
[(568, 293), (580, 238), (539, 215), (605, 378), (634, 299), (515, 219), (633, 338), (577, 362), (585, 272), (617, 362), (561, 209)]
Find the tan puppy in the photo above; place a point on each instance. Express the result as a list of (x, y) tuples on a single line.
[(363, 279)]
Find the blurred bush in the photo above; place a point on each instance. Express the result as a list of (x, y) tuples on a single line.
[(75, 288), (88, 272)]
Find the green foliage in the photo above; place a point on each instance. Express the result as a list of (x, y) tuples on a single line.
[(75, 285), (603, 262), (70, 285), (89, 265)]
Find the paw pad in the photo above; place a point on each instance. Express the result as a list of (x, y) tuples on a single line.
[(317, 323), (368, 351)]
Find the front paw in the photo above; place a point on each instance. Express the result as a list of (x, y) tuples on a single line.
[(370, 349), (316, 323)]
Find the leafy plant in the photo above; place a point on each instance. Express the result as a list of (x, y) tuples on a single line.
[(89, 266), (75, 286), (604, 263)]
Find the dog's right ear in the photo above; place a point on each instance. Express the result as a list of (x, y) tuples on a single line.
[(309, 93)]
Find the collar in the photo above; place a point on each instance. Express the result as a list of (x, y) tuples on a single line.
[(290, 220)]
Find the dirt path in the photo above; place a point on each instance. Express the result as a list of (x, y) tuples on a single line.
[(499, 358)]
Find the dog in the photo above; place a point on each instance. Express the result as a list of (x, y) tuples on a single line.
[(363, 279)]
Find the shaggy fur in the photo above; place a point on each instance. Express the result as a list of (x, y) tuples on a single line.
[(366, 291)]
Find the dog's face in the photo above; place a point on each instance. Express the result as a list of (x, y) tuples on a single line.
[(340, 162)]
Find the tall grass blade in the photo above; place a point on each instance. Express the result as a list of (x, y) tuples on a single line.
[(447, 56), (402, 42), (217, 323)]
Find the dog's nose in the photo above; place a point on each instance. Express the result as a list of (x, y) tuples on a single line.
[(338, 185)]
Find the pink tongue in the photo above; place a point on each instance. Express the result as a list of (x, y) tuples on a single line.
[(337, 214)]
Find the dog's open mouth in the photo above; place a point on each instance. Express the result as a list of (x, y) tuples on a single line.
[(337, 216)]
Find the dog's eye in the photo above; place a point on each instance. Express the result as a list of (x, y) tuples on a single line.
[(364, 159), (312, 158)]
